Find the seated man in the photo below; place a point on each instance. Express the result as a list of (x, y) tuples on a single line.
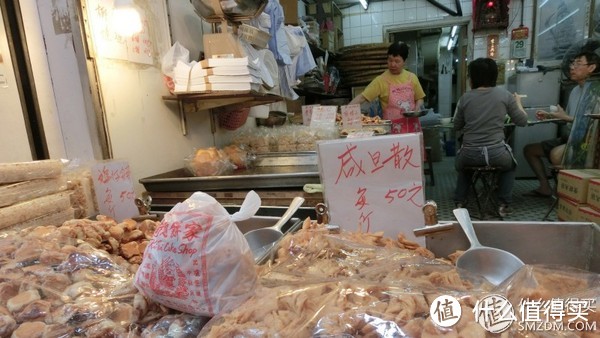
[(583, 65)]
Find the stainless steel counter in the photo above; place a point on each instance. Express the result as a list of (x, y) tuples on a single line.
[(575, 244), (252, 178)]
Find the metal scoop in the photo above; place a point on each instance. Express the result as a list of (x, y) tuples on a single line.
[(263, 239), (494, 264)]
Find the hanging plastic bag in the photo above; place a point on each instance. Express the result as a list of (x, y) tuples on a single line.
[(198, 261), (176, 53)]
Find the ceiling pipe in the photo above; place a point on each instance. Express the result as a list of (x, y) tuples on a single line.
[(446, 9)]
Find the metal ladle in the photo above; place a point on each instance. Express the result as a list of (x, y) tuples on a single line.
[(494, 264), (263, 239)]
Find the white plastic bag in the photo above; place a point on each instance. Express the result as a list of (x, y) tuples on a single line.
[(198, 261), (168, 62), (176, 53)]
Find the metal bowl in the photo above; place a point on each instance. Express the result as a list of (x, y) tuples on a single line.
[(276, 118), (417, 113)]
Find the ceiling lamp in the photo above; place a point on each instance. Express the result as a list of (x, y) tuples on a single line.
[(452, 42), (126, 18), (364, 4), (454, 29)]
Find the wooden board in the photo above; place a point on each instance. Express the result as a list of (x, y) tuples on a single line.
[(362, 74), (365, 47), (355, 63)]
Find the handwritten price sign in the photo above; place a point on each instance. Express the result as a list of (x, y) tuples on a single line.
[(114, 190), (374, 184)]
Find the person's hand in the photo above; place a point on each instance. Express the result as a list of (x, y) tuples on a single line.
[(542, 115), (518, 98), (561, 114)]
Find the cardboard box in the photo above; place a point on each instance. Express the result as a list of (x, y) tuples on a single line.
[(328, 40), (588, 214), (573, 183), (290, 12), (593, 196), (567, 210), (295, 106)]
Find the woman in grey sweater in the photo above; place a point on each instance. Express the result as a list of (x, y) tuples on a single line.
[(480, 117)]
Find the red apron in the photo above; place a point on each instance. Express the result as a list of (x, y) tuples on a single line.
[(401, 99)]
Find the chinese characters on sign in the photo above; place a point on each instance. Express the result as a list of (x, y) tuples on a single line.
[(492, 46), (108, 44), (518, 39), (374, 184), (114, 190)]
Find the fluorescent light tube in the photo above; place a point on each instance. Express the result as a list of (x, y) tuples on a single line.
[(364, 4), (454, 29)]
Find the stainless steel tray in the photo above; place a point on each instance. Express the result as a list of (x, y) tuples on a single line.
[(575, 244), (252, 178), (286, 159)]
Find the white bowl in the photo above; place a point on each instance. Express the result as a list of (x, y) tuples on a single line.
[(446, 120)]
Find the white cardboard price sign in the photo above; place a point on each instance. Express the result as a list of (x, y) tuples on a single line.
[(323, 116), (374, 184), (351, 116), (114, 189)]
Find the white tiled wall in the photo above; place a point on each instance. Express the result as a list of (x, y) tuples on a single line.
[(362, 26)]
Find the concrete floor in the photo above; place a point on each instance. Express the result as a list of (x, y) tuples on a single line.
[(524, 208)]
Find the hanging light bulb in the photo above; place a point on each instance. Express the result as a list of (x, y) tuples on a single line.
[(126, 18)]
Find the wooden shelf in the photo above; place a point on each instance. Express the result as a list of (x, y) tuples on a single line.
[(196, 102)]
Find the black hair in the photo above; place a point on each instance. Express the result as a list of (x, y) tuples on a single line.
[(399, 48), (483, 72), (592, 59)]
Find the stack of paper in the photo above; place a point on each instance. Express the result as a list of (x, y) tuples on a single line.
[(181, 77), (223, 74)]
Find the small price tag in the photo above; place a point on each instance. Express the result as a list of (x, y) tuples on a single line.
[(361, 134), (351, 116), (323, 116), (307, 113)]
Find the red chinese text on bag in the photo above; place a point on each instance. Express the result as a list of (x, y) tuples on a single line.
[(198, 261)]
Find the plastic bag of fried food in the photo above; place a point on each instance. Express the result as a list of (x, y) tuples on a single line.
[(54, 285), (348, 284)]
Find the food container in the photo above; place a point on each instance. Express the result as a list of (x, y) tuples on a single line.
[(575, 244), (384, 127), (276, 118)]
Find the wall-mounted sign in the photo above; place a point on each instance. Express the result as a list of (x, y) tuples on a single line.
[(114, 189), (518, 42), (492, 46)]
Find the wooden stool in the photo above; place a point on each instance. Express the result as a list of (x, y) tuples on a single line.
[(487, 177), (429, 169)]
